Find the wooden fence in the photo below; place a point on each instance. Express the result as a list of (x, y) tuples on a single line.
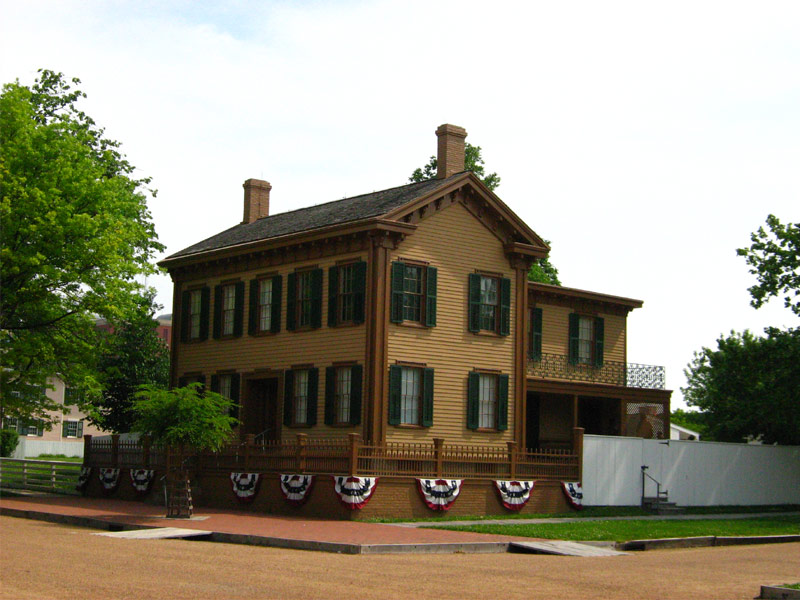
[(39, 475), (353, 456)]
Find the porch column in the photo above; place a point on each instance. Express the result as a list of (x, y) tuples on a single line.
[(575, 410), (522, 266)]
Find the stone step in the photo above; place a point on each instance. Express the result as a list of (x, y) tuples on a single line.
[(156, 533), (562, 548)]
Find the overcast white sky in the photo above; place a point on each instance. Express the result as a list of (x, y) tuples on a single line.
[(645, 140)]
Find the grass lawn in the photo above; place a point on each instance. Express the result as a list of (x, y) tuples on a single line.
[(637, 529), (59, 458)]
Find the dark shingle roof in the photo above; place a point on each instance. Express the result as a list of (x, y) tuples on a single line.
[(322, 215)]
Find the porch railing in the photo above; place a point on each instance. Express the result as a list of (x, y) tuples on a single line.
[(353, 456), (558, 366)]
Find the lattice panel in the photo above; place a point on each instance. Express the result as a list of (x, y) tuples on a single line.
[(645, 420)]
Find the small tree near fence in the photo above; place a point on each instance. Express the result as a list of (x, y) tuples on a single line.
[(187, 418)]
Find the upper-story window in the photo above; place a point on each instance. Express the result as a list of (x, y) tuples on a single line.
[(414, 293), (265, 305), (489, 303), (586, 340), (228, 309), (304, 300), (535, 334), (346, 291), (194, 314)]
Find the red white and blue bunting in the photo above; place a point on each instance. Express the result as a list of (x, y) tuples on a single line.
[(354, 492), (296, 488), (141, 479), (574, 493), (83, 478), (245, 486), (109, 477), (514, 494), (439, 494)]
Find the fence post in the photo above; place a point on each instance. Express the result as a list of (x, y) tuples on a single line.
[(249, 442), (577, 448), (352, 466), (512, 459), (302, 440), (438, 444), (87, 449), (114, 449)]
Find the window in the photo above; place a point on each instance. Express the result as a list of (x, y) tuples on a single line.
[(304, 304), (414, 294), (489, 304), (227, 385), (346, 287), (410, 396), (194, 315), (343, 395), (586, 340), (228, 309), (72, 396), (487, 401), (535, 337), (72, 429), (300, 397), (265, 305)]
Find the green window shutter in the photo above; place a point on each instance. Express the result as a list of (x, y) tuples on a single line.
[(63, 429), (313, 396), (215, 383), (333, 294), (574, 321), (275, 318), (536, 334), (288, 397), (291, 301), (205, 310), (185, 300), (80, 428), (330, 395), (356, 376), (502, 402), (252, 313), (359, 291), (236, 386), (217, 331), (398, 273), (238, 309), (474, 302), (473, 387), (395, 385), (599, 341), (505, 306), (39, 429), (427, 397), (430, 296), (316, 298)]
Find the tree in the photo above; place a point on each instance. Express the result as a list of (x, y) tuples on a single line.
[(774, 259), (473, 161), (747, 387), (542, 271), (76, 232), (132, 356), (693, 420)]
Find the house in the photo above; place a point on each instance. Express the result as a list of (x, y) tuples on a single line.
[(677, 432), (403, 321)]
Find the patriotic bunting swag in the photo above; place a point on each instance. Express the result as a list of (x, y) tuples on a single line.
[(296, 488), (110, 479), (354, 492), (83, 478), (514, 494), (141, 479), (439, 494), (574, 493), (245, 486)]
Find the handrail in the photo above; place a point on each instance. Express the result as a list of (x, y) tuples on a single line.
[(654, 480)]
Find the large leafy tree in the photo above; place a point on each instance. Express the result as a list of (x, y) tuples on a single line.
[(76, 233), (774, 259), (133, 355)]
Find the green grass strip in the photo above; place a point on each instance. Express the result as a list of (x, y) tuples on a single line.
[(638, 529)]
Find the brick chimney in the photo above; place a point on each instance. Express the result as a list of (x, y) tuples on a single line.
[(256, 199), (450, 159)]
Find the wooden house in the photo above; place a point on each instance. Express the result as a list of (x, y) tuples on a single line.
[(403, 321)]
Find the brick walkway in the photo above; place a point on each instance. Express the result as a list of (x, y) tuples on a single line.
[(79, 510)]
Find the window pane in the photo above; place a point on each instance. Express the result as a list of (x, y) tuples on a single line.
[(71, 428), (487, 402), (412, 296), (346, 279), (489, 303), (304, 298), (410, 392), (195, 302), (225, 382), (343, 380), (301, 396), (265, 305), (228, 309), (585, 339)]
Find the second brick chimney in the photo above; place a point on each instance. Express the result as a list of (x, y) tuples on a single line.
[(450, 159), (256, 199)]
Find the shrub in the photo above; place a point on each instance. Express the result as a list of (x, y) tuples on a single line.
[(8, 442)]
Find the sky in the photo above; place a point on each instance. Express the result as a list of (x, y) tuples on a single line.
[(645, 140)]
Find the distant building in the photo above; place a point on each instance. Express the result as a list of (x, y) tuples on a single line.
[(676, 432)]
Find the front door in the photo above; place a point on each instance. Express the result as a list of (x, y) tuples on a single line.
[(261, 409)]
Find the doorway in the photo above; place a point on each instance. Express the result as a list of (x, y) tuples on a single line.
[(261, 409)]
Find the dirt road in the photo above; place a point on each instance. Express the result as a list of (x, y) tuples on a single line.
[(42, 560)]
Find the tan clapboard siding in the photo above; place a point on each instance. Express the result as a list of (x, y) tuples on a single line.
[(320, 347), (457, 244), (555, 332)]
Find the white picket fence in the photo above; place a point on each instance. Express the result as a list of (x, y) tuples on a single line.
[(694, 473)]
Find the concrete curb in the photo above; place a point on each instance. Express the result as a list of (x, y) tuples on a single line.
[(776, 592), (705, 541)]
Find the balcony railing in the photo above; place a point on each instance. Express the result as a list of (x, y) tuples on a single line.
[(558, 366)]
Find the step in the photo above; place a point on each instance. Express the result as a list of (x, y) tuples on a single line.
[(562, 548), (157, 533)]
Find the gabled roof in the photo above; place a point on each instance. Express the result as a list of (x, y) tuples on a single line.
[(337, 212)]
